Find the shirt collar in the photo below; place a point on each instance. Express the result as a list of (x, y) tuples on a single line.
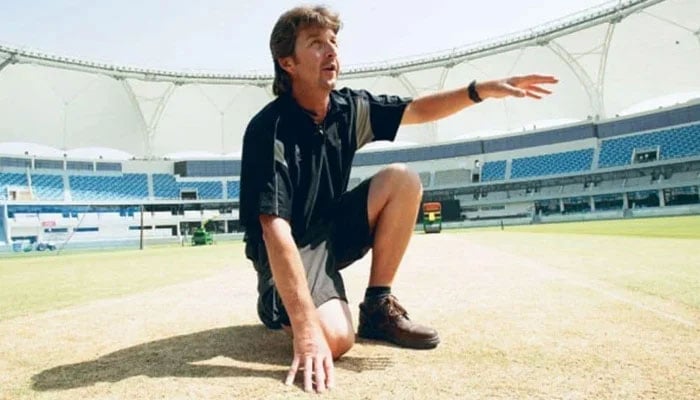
[(335, 105)]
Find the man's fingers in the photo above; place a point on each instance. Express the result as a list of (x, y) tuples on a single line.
[(530, 80), (534, 79), (330, 372), (534, 96), (320, 377), (292, 371), (534, 88), (308, 373), (514, 91)]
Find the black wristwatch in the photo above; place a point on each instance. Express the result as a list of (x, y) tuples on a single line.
[(473, 95)]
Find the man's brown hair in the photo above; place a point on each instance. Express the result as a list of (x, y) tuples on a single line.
[(284, 37)]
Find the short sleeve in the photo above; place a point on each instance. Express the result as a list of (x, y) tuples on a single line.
[(377, 117), (265, 183)]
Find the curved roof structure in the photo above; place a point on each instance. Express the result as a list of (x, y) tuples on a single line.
[(609, 60)]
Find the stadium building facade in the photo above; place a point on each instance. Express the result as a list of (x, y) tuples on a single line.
[(92, 152)]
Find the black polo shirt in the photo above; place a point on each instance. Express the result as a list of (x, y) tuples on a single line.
[(294, 168)]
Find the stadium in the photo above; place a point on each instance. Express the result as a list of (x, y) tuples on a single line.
[(100, 156), (112, 139)]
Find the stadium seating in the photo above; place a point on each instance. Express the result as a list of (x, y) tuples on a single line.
[(11, 180), (2, 230), (166, 187), (672, 143), (47, 187), (233, 190), (552, 164), (493, 171), (106, 188)]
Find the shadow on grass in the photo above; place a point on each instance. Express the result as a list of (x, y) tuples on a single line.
[(180, 356)]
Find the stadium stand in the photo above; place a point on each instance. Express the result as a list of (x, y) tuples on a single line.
[(424, 178), (493, 171), (166, 187), (2, 229), (637, 181), (552, 164), (233, 190), (47, 187), (672, 143), (572, 188), (105, 188), (495, 196), (610, 184), (8, 180), (452, 177), (688, 176), (550, 190)]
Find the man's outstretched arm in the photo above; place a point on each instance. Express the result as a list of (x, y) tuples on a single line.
[(311, 351), (439, 105)]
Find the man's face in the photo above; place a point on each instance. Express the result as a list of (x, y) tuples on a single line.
[(314, 64)]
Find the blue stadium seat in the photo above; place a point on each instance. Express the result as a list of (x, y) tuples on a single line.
[(106, 188), (47, 187), (166, 187), (233, 189), (672, 143), (11, 180), (2, 231), (552, 164), (493, 171)]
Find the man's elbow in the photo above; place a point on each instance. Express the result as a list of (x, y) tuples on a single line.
[(273, 226), (411, 115)]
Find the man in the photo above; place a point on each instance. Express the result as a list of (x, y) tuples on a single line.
[(303, 227)]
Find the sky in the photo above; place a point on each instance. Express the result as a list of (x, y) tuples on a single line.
[(231, 36)]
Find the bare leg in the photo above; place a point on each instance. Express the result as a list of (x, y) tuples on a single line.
[(394, 197), (336, 322)]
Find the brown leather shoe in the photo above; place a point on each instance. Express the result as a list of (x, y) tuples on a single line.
[(387, 320)]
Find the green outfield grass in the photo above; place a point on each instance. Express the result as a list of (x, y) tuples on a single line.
[(36, 283), (687, 227)]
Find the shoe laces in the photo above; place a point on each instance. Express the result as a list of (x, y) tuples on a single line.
[(394, 309)]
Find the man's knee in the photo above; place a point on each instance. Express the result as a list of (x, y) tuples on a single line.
[(337, 326), (402, 179), (340, 342)]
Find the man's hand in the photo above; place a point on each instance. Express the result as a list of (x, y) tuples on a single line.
[(313, 356), (517, 86)]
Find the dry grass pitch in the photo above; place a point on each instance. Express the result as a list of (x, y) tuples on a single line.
[(521, 315)]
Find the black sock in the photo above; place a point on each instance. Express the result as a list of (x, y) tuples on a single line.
[(376, 293)]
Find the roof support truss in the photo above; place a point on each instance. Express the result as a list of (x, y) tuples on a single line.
[(593, 90), (150, 125), (12, 59)]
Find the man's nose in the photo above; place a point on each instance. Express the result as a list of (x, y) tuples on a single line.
[(331, 50)]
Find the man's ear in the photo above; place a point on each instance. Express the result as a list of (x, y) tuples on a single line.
[(286, 63)]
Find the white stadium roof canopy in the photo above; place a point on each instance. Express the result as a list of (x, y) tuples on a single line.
[(621, 57)]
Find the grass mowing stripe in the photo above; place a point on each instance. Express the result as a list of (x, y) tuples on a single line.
[(36, 284), (687, 227)]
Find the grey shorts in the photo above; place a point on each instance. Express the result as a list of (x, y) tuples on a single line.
[(348, 239)]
